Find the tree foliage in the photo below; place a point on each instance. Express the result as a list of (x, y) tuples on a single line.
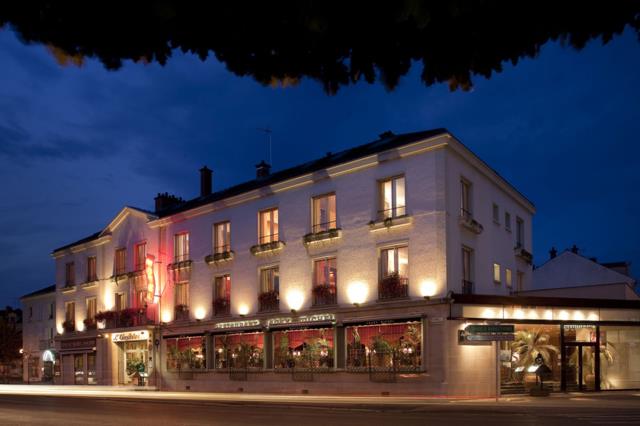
[(335, 42)]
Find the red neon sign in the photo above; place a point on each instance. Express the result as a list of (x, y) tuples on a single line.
[(151, 279)]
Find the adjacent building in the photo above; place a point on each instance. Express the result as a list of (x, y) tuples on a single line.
[(357, 272), (38, 331)]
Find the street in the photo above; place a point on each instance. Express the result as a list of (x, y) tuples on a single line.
[(154, 408)]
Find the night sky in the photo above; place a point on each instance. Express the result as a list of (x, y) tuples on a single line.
[(77, 144)]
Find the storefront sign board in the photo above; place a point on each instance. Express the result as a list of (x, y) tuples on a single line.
[(130, 336)]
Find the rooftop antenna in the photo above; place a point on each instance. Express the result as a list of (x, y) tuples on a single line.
[(267, 131)]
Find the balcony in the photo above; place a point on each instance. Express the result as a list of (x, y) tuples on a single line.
[(69, 326), (467, 287), (219, 257), (523, 254), (269, 301), (393, 287), (322, 236), (271, 247), (124, 318), (90, 324), (389, 219), (324, 295), (181, 313), (221, 306), (467, 221)]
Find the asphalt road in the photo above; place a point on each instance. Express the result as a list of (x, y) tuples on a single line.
[(613, 409)]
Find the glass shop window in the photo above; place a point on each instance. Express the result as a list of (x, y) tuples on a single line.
[(312, 348), (186, 353), (242, 350)]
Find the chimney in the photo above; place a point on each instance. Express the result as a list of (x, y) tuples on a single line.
[(165, 201), (263, 169), (205, 181), (553, 253), (574, 249)]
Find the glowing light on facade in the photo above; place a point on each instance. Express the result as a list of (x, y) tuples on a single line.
[(243, 309), (151, 279), (200, 313), (295, 299), (357, 292), (166, 316), (428, 288)]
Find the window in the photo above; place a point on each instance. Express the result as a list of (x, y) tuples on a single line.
[(496, 213), (222, 294), (141, 299), (242, 350), (394, 273), (268, 226), (519, 281), (182, 294), (325, 278), (181, 247), (465, 199), (121, 261), (507, 221), (91, 309), (311, 348), (92, 272), (52, 310), (507, 277), (269, 297), (140, 255), (120, 302), (186, 353), (467, 270), (383, 346), (394, 261), (496, 273), (392, 198), (69, 311), (30, 312), (324, 213), (70, 275), (519, 232), (78, 369), (222, 237), (91, 369)]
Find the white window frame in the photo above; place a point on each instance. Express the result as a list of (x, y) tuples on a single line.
[(395, 210)]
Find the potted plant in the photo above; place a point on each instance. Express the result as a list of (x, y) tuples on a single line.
[(269, 300), (89, 323), (527, 345), (392, 287), (69, 326), (323, 294), (382, 350), (127, 317)]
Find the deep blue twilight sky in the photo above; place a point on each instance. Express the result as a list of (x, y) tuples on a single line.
[(76, 144)]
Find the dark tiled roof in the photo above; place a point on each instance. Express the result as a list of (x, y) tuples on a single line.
[(50, 289), (80, 241), (387, 141)]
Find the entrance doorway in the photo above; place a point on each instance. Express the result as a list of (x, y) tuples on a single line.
[(134, 360), (580, 368)]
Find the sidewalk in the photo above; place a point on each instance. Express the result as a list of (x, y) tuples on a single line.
[(118, 392)]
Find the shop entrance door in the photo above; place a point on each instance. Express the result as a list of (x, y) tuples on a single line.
[(580, 367), (136, 360)]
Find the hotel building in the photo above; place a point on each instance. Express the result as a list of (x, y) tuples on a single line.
[(356, 272)]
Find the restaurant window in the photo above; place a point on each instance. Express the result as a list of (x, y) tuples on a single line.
[(70, 274), (518, 357), (465, 199), (242, 350), (383, 346), (325, 279), (92, 270), (91, 369), (269, 296), (268, 226), (394, 273), (496, 273), (312, 348), (121, 261), (392, 198), (222, 237), (140, 256), (78, 369), (222, 294), (181, 247), (519, 232), (120, 302), (324, 213), (186, 353), (619, 357)]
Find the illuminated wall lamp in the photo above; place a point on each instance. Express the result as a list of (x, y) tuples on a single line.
[(357, 293)]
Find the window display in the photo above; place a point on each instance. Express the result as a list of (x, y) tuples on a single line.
[(311, 348), (243, 350), (186, 353), (385, 346)]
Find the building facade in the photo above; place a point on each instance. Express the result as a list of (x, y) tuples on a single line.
[(38, 332), (334, 276)]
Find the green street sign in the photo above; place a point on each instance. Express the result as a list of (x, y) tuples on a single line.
[(489, 329)]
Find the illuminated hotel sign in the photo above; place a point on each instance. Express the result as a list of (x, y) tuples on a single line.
[(303, 319), (486, 333), (130, 336), (238, 324), (151, 280)]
